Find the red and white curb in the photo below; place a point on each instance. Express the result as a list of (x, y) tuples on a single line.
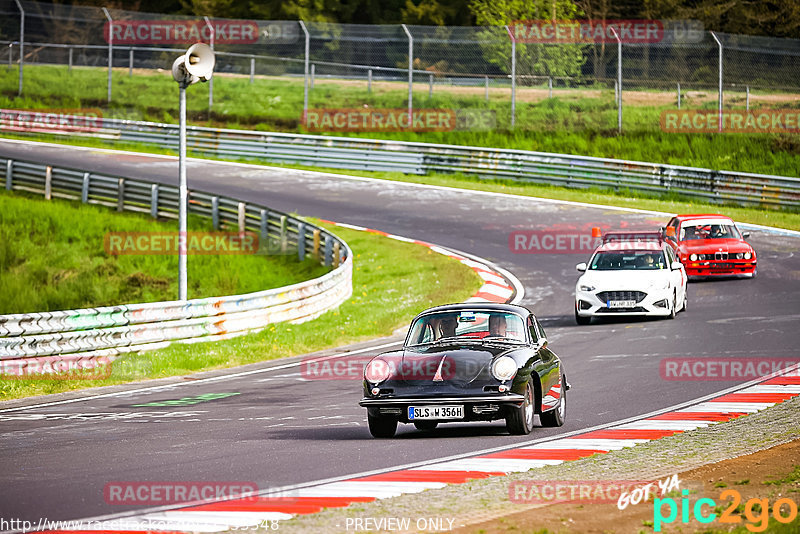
[(498, 285), (254, 511)]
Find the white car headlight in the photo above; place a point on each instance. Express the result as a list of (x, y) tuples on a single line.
[(504, 368), (693, 257), (747, 255), (584, 287), (376, 371)]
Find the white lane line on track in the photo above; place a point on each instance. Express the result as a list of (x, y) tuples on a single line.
[(770, 229)]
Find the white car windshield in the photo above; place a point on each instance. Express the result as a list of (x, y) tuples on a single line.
[(466, 325), (628, 260)]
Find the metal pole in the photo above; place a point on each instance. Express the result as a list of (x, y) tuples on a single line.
[(10, 53), (369, 80), (313, 74), (714, 35), (21, 43), (305, 77), (619, 78), (410, 73), (513, 77), (486, 84), (430, 85), (130, 63), (70, 59), (252, 69), (747, 104), (549, 87), (110, 49), (183, 199), (211, 81), (679, 95)]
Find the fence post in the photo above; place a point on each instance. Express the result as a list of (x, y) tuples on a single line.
[(327, 260), (313, 74), (369, 80), (130, 63), (48, 183), (305, 72), (85, 188), (9, 174), (211, 80), (679, 95), (154, 201), (284, 233), (549, 87), (513, 77), (263, 227), (336, 254), (486, 86), (315, 249), (714, 35), (410, 73), (252, 69), (747, 102), (121, 194), (69, 69), (619, 79), (430, 86), (301, 241), (21, 43), (241, 218), (10, 54), (110, 49)]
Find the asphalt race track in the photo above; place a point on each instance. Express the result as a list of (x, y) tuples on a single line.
[(280, 430)]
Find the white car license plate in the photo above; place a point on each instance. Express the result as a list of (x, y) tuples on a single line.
[(621, 303), (435, 412)]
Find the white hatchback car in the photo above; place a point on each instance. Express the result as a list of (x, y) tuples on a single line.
[(630, 278)]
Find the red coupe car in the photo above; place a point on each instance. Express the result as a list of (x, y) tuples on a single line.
[(711, 245)]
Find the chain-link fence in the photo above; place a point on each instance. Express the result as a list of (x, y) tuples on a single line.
[(411, 67)]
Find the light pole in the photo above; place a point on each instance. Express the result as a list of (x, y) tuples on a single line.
[(196, 65)]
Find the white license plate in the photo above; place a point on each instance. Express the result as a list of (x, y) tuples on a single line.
[(621, 303), (435, 412)]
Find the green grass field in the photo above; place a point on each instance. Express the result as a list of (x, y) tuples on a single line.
[(392, 281), (52, 257), (575, 121)]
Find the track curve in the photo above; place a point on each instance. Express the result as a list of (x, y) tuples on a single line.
[(279, 430)]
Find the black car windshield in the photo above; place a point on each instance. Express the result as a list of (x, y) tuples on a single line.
[(691, 232), (465, 326), (625, 260)]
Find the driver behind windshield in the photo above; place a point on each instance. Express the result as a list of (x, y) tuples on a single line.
[(497, 325), (447, 326)]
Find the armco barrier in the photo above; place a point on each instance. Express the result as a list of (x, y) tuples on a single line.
[(113, 330), (421, 158)]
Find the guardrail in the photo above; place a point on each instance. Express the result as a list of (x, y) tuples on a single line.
[(113, 330), (422, 158)]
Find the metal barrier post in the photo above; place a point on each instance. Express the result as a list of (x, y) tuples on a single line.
[(313, 71), (747, 104), (714, 35), (154, 201), (486, 86), (284, 233), (241, 218), (48, 183), (9, 174), (305, 71), (315, 249), (69, 68), (130, 63), (110, 49), (336, 253), (369, 80), (10, 54), (121, 194), (21, 43), (252, 69), (215, 213), (410, 73), (549, 87), (679, 95), (263, 227), (328, 260), (430, 86), (301, 241), (85, 188)]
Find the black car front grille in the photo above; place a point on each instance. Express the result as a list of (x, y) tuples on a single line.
[(637, 309), (637, 296)]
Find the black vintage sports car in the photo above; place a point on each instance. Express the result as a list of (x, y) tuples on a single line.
[(467, 362)]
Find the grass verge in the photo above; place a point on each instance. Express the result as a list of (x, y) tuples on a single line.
[(52, 257), (392, 281)]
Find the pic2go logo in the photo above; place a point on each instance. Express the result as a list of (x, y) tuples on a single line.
[(756, 511)]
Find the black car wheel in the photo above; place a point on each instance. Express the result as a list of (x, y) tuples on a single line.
[(520, 419), (556, 417), (381, 427), (582, 320), (426, 425)]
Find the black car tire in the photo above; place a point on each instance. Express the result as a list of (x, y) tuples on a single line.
[(426, 425), (583, 321), (556, 417), (381, 427), (519, 420)]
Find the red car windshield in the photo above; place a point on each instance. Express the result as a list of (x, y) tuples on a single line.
[(691, 232)]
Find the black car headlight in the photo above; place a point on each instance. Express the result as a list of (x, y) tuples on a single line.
[(376, 371), (504, 368)]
